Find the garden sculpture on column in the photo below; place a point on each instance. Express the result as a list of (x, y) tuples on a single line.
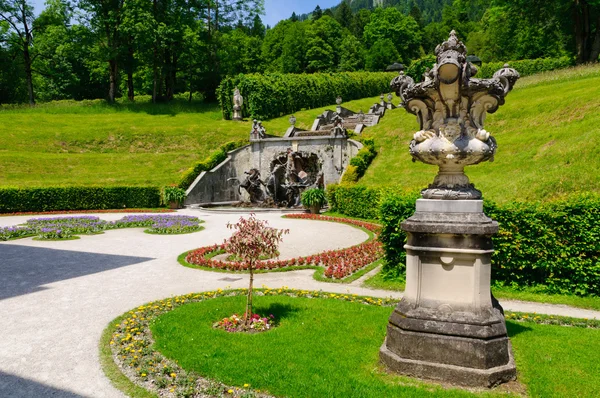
[(448, 326), (238, 101)]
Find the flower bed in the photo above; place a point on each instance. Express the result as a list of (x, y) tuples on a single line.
[(131, 344), (234, 324), (160, 224), (32, 213), (57, 228), (338, 264)]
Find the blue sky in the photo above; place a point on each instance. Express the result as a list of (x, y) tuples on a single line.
[(275, 10)]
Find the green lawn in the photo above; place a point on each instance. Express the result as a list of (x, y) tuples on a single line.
[(329, 348), (548, 134), (92, 143)]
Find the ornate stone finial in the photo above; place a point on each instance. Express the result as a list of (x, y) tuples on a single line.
[(390, 97), (338, 100), (451, 107), (292, 120)]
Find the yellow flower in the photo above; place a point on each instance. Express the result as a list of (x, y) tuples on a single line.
[(143, 374), (230, 391), (173, 375), (246, 385)]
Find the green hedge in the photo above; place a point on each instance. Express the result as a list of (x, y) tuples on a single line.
[(275, 94), (77, 198), (210, 162), (526, 67), (354, 200), (553, 246), (359, 164)]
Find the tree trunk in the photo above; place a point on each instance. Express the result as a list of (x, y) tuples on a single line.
[(27, 56), (248, 315), (595, 50), (168, 75), (581, 22), (154, 56), (112, 88), (130, 60), (28, 75)]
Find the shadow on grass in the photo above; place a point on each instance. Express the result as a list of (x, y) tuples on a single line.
[(278, 310), (514, 328)]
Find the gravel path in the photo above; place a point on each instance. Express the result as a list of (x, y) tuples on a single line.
[(57, 297)]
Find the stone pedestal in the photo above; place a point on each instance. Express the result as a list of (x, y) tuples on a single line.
[(448, 327), (237, 113)]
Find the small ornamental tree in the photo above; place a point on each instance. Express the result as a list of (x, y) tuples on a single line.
[(251, 239)]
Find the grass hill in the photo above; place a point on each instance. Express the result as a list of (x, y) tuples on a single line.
[(91, 143), (548, 135)]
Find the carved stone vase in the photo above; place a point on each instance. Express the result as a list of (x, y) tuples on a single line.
[(448, 326)]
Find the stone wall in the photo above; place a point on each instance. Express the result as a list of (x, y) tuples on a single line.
[(213, 186)]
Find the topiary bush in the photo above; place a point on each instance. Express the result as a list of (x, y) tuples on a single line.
[(271, 95), (77, 198)]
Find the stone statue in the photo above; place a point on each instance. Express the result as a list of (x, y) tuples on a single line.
[(262, 131), (338, 127), (451, 107), (253, 185), (238, 101), (258, 130)]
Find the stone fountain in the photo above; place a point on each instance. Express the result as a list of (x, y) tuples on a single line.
[(448, 326)]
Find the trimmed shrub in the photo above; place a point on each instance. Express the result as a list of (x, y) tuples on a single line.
[(77, 198), (359, 164), (271, 95), (526, 67), (554, 246), (210, 162), (393, 209), (350, 175), (354, 200)]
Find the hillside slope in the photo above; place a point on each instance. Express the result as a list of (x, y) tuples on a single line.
[(548, 134), (67, 143)]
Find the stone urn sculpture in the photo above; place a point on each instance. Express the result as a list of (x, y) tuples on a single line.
[(451, 107), (238, 102), (448, 325)]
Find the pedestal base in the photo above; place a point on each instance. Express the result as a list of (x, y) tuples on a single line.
[(448, 326), (460, 375)]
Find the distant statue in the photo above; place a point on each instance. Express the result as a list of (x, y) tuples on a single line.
[(338, 127), (253, 185), (238, 101), (262, 131), (254, 133)]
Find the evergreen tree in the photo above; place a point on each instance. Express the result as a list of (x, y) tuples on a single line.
[(258, 29), (317, 13), (344, 15), (294, 17)]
